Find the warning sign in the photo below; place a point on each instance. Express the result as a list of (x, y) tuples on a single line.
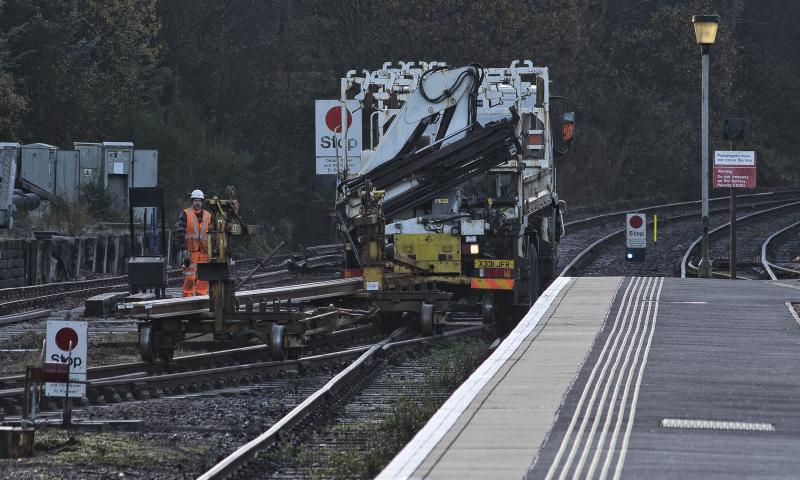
[(734, 169), (66, 343), (330, 141), (636, 230)]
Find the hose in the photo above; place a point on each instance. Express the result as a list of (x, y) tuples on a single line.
[(476, 73)]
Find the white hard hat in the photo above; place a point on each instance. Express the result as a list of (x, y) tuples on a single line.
[(197, 194)]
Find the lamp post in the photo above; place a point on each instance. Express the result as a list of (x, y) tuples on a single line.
[(705, 30)]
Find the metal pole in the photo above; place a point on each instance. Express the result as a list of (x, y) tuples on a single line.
[(705, 261), (733, 231), (66, 414)]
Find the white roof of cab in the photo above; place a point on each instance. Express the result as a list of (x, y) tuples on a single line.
[(118, 144)]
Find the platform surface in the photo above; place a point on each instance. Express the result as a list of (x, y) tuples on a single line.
[(629, 378)]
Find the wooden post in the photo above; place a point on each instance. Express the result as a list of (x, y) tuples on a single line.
[(116, 254), (105, 255), (38, 274), (79, 261), (169, 248), (94, 255)]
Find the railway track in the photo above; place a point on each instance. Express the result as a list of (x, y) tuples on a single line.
[(245, 462), (584, 231), (719, 240), (25, 299), (18, 304), (674, 230), (204, 371), (784, 267)]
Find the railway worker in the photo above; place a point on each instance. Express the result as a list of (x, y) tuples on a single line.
[(193, 225)]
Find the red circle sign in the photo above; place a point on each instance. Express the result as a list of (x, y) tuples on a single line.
[(333, 119), (636, 221), (64, 337)]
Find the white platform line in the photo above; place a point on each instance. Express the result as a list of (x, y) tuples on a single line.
[(638, 339), (631, 291), (423, 443), (617, 371), (626, 438), (621, 414)]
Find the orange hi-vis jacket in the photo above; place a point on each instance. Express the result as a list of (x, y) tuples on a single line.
[(197, 232)]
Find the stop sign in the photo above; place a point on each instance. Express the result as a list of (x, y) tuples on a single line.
[(67, 339), (636, 230), (333, 119), (66, 344)]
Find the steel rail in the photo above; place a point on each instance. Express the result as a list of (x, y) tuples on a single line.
[(192, 361), (607, 216), (230, 464), (21, 317), (716, 232), (37, 290), (769, 266)]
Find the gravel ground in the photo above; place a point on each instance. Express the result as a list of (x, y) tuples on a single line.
[(182, 436), (369, 429), (179, 437)]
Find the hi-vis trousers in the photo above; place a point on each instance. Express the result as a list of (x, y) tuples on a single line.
[(191, 285)]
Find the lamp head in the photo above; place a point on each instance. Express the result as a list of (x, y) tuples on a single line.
[(705, 28)]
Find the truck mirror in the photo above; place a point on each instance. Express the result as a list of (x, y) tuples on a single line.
[(568, 128)]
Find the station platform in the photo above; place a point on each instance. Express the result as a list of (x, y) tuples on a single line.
[(643, 377)]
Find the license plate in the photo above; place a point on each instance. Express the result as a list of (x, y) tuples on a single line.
[(491, 263)]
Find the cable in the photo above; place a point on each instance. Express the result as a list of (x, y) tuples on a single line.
[(476, 72)]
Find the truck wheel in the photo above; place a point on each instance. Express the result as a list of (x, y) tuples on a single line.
[(487, 308), (533, 274), (146, 344), (426, 319), (277, 342)]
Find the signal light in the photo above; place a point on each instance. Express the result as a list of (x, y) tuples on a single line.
[(474, 249), (635, 254)]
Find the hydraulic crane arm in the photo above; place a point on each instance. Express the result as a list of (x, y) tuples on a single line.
[(448, 92), (433, 144), (430, 172)]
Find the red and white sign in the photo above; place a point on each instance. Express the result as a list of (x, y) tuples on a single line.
[(636, 230), (330, 136), (66, 343), (734, 169)]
